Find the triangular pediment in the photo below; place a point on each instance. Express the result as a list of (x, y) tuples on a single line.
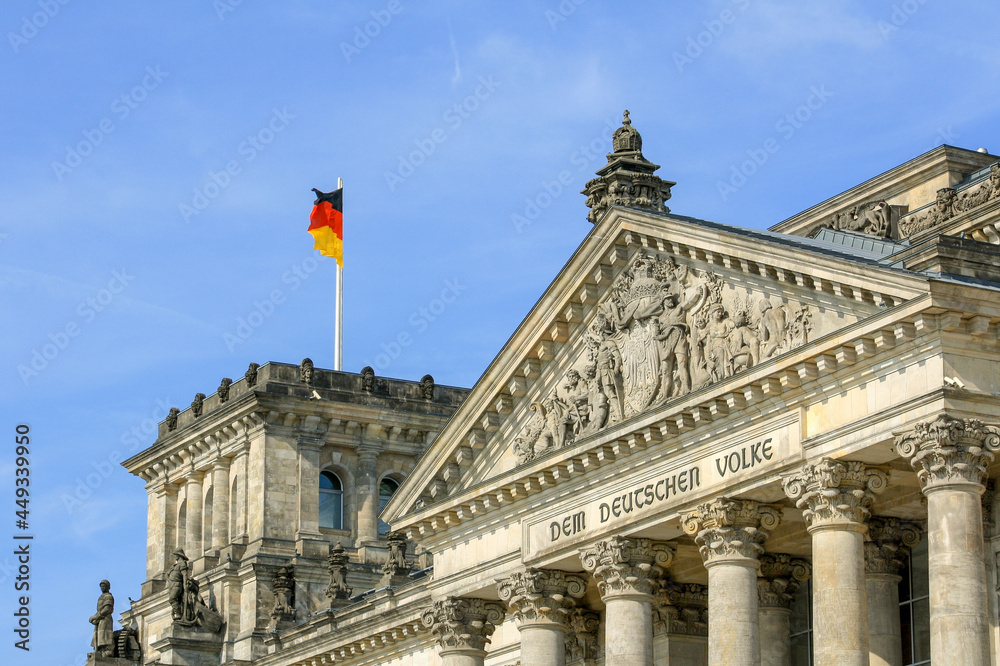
[(651, 308)]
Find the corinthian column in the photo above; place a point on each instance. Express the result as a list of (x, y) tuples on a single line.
[(950, 458), (541, 601), (628, 573), (835, 497), (731, 534), (463, 628), (886, 550), (779, 580)]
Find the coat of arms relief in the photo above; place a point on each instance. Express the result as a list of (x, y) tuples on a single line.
[(665, 329)]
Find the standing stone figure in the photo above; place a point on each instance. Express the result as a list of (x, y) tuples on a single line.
[(177, 579), (306, 371), (104, 640)]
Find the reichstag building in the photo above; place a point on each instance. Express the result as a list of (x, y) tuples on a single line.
[(704, 445)]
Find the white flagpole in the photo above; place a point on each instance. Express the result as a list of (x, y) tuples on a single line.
[(338, 334)]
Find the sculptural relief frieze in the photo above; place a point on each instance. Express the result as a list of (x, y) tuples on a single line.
[(949, 202), (665, 329), (873, 218)]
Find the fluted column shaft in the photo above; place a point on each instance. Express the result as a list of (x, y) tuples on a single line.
[(541, 601), (195, 500), (835, 497), (628, 573), (950, 457), (731, 534), (367, 498), (779, 580), (886, 551), (220, 504)]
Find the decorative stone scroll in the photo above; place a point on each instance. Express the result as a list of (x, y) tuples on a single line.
[(624, 565), (779, 579), (948, 203), (835, 491), (541, 595), (728, 529), (664, 331), (946, 451), (463, 624), (581, 636), (887, 544), (874, 218)]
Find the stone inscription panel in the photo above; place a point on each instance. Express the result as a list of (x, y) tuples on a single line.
[(674, 483)]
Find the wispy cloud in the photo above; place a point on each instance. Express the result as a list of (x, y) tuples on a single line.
[(457, 76)]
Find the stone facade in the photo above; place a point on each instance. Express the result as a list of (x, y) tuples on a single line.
[(704, 445)]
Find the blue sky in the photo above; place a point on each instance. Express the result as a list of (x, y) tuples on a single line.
[(157, 160)]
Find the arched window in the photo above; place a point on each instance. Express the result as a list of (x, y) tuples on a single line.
[(386, 489), (331, 501)]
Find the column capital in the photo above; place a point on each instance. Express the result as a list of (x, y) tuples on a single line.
[(948, 452), (730, 530), (627, 566), (835, 493), (463, 625), (681, 608), (541, 596), (779, 579), (581, 635), (887, 544)]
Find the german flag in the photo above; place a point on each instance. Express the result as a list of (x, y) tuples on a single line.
[(326, 224)]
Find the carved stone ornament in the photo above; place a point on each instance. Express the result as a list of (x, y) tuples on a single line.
[(624, 565), (427, 387), (730, 529), (224, 389), (284, 593), (367, 379), (888, 543), (306, 368), (581, 636), (251, 375), (541, 595), (198, 404), (948, 203), (172, 418), (946, 451), (835, 491), (627, 179), (665, 330), (395, 562), (779, 579), (874, 218), (463, 624), (338, 588)]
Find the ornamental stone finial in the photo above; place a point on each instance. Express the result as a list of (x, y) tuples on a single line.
[(946, 451), (887, 544), (624, 565), (540, 595), (779, 579), (835, 491), (627, 179), (729, 529), (463, 624)]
